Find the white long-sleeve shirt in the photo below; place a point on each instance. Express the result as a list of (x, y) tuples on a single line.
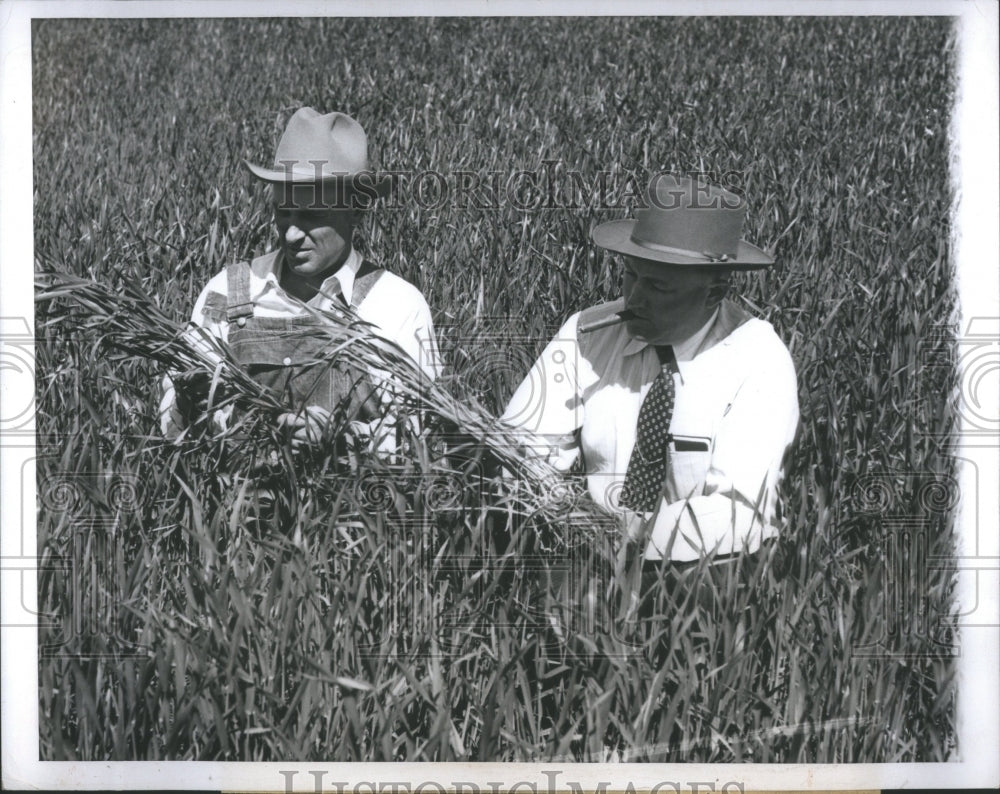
[(735, 414), (396, 309)]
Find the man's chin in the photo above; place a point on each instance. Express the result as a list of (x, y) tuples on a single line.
[(311, 267), (641, 329), (636, 331), (305, 267)]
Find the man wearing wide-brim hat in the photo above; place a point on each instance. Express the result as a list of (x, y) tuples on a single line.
[(263, 309), (680, 403)]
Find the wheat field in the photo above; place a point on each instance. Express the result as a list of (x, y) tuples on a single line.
[(415, 610)]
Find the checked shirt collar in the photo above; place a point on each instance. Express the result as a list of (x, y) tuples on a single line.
[(340, 282)]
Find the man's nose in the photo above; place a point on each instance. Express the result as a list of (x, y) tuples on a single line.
[(293, 233)]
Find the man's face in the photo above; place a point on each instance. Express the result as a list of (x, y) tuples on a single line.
[(313, 239), (670, 302)]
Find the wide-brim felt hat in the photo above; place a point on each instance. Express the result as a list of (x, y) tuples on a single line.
[(329, 149), (685, 222)]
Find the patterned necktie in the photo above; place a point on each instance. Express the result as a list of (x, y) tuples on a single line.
[(647, 467)]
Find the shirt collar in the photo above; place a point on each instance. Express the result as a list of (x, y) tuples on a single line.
[(683, 351), (344, 276)]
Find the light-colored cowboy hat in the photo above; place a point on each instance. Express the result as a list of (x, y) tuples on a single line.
[(323, 148), (686, 223)]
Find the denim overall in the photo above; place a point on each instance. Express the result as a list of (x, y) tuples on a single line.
[(281, 353), (285, 356)]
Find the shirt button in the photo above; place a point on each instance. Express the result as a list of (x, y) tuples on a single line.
[(241, 321), (286, 361)]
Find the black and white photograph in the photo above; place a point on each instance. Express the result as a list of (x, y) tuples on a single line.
[(568, 397)]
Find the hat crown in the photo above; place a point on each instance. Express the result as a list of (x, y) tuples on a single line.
[(320, 145), (690, 217)]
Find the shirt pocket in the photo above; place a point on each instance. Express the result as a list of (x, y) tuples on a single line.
[(690, 459)]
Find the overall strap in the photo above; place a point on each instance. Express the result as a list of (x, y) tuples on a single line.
[(367, 275), (238, 287)]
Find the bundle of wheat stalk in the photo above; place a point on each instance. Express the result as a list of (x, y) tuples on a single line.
[(127, 321)]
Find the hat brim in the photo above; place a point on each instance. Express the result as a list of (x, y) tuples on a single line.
[(367, 182), (617, 236)]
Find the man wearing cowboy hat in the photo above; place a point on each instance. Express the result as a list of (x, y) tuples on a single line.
[(680, 404), (263, 309)]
